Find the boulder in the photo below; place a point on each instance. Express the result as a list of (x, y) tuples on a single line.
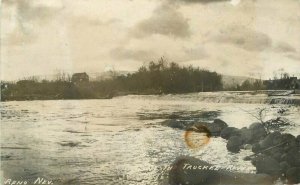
[(234, 144), (256, 148), (181, 173), (222, 124), (267, 165), (246, 135), (185, 171), (284, 166), (290, 142), (248, 158), (247, 146), (258, 132), (255, 125), (276, 153), (228, 132), (293, 175), (292, 157), (278, 146), (271, 140), (298, 140), (173, 123), (214, 128)]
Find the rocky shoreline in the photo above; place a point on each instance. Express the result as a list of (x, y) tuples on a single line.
[(275, 154)]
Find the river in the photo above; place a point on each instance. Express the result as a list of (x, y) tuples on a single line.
[(121, 140)]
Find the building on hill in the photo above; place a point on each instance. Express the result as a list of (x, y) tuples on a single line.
[(80, 77)]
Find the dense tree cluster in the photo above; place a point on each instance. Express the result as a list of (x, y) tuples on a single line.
[(250, 85), (284, 82), (163, 77)]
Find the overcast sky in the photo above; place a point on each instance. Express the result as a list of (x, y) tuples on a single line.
[(237, 37)]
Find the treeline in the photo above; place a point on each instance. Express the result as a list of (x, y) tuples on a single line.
[(44, 90), (249, 85), (158, 77), (285, 82), (163, 77)]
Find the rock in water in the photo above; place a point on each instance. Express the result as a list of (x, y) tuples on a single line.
[(284, 166), (228, 132), (247, 147), (246, 135), (214, 128), (222, 124), (293, 175), (256, 148), (267, 165), (183, 172), (292, 157), (258, 132), (290, 142), (234, 144), (298, 140), (271, 140), (175, 124)]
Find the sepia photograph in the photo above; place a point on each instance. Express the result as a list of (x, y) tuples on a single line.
[(150, 92)]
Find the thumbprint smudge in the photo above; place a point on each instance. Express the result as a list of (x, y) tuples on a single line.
[(197, 136)]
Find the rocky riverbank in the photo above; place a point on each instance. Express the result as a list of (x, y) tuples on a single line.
[(275, 154), (189, 170)]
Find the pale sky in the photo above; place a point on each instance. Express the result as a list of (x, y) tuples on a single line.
[(233, 37)]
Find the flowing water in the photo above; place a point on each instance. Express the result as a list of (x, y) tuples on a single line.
[(121, 140)]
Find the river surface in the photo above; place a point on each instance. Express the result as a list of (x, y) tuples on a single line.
[(121, 140)]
